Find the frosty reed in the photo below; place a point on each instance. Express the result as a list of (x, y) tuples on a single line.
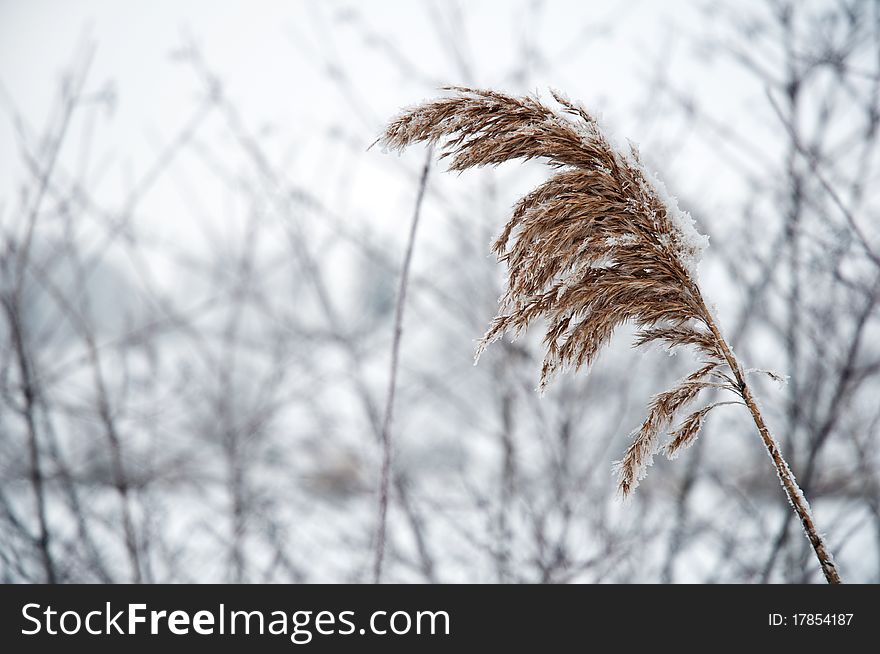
[(598, 244)]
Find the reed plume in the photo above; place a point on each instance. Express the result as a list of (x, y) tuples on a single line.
[(598, 244)]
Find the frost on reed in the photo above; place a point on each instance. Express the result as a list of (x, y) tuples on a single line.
[(598, 244)]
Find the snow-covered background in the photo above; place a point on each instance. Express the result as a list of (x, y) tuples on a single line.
[(200, 258)]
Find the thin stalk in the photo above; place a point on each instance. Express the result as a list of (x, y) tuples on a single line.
[(385, 480), (786, 476), (37, 478)]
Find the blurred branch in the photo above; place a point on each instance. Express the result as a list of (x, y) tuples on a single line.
[(385, 479), (813, 162)]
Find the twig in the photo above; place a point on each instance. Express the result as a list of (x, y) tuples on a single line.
[(832, 193), (385, 480), (37, 477)]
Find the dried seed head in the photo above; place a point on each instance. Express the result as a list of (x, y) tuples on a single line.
[(598, 244)]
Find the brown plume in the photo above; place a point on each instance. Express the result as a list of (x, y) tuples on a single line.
[(592, 247), (598, 244)]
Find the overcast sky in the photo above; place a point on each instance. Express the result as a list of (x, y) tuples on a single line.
[(274, 58), (282, 62)]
